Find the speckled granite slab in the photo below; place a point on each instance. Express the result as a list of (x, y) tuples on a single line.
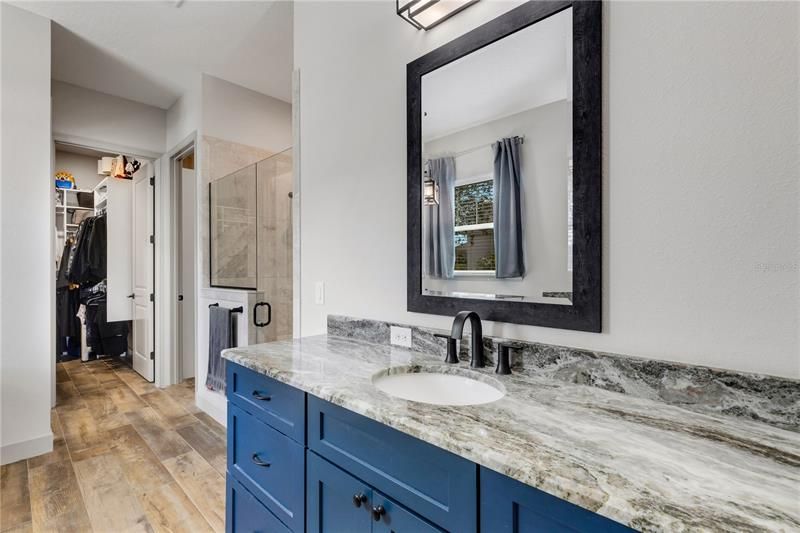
[(775, 401), (642, 462)]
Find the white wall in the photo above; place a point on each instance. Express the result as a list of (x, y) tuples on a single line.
[(184, 116), (26, 236), (544, 156), (82, 167), (240, 115), (104, 120), (700, 187)]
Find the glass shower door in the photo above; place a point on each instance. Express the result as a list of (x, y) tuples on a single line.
[(274, 182)]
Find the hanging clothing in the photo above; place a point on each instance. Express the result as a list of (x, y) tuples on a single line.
[(87, 259), (67, 302)]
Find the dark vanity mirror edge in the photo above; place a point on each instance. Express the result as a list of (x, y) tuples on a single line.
[(585, 312)]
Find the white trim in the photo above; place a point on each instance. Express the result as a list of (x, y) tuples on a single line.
[(166, 267), (213, 404), (475, 273), (17, 451), (475, 227), (296, 206), (102, 146)]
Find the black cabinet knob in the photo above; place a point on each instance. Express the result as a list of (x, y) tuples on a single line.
[(359, 498), (378, 512)]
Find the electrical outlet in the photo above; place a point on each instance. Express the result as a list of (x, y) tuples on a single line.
[(319, 293), (401, 336)]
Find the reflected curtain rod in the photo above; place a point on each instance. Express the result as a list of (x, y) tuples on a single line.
[(475, 148)]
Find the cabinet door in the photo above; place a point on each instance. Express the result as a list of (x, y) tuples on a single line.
[(336, 501), (244, 514), (390, 517), (510, 506)]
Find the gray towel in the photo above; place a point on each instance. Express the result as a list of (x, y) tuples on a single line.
[(221, 336)]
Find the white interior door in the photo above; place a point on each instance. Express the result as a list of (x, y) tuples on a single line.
[(119, 202), (142, 225), (187, 277)]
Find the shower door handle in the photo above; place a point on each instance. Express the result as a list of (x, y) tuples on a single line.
[(258, 324)]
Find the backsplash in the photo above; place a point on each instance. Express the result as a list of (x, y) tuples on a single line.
[(772, 400)]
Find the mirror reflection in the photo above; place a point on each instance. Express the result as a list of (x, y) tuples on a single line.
[(497, 169)]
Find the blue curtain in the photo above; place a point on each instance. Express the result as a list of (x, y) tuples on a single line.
[(508, 237), (440, 237)]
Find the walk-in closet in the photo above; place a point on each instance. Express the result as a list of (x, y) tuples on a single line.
[(103, 236)]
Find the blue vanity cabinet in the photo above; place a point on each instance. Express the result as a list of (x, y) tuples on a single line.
[(510, 506), (340, 503), (435, 484), (244, 513), (337, 502), (304, 464)]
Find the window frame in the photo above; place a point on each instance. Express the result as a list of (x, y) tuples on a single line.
[(461, 182)]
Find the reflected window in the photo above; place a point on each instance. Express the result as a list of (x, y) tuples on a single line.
[(474, 226)]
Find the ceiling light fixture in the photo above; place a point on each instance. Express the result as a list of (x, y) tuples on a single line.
[(426, 14)]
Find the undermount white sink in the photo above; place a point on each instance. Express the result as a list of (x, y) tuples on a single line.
[(427, 385)]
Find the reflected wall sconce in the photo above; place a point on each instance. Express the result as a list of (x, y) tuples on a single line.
[(426, 14), (430, 189)]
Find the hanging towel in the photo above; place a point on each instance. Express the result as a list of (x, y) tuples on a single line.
[(220, 337)]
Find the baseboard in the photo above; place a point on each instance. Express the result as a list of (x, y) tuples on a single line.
[(214, 404), (17, 451)]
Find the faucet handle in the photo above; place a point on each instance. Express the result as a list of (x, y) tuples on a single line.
[(503, 359), (452, 356)]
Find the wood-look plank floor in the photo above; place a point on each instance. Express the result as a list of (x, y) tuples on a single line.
[(126, 456)]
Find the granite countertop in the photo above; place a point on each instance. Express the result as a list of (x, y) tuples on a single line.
[(641, 462)]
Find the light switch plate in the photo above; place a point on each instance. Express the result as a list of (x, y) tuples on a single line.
[(319, 293), (401, 336)]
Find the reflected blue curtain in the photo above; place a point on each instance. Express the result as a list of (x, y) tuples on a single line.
[(440, 238), (508, 237)]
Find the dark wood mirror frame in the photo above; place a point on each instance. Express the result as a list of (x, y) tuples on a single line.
[(585, 312)]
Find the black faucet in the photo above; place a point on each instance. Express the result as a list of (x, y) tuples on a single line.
[(477, 335)]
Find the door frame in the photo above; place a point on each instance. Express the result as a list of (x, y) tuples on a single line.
[(62, 139), (167, 201)]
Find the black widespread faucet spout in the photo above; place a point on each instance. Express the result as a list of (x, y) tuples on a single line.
[(477, 335)]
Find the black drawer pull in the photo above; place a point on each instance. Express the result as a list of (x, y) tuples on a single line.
[(378, 512), (258, 396), (359, 498), (257, 461)]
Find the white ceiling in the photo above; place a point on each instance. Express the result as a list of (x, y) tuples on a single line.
[(153, 51), (522, 71)]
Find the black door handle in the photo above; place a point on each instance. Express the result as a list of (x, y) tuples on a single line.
[(258, 324), (180, 297), (132, 295)]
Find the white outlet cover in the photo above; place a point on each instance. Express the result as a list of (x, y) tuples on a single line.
[(401, 336)]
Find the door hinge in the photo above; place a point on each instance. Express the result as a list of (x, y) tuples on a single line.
[(153, 180), (152, 355), (152, 239), (152, 297)]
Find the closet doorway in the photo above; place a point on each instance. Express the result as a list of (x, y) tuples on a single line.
[(117, 318)]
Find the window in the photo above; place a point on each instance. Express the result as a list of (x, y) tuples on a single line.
[(474, 226)]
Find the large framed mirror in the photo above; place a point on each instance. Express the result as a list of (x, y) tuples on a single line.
[(504, 170)]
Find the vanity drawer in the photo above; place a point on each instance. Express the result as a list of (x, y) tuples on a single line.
[(279, 405), (269, 464), (435, 483), (244, 513)]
